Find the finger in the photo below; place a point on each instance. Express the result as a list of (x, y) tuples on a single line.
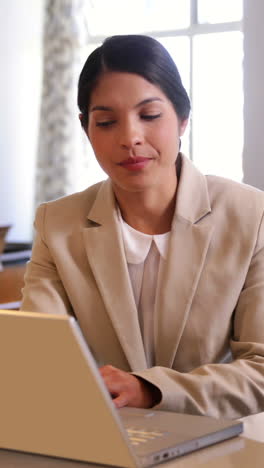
[(107, 370), (112, 384), (114, 387), (121, 400)]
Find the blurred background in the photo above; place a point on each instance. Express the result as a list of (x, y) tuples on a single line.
[(216, 44)]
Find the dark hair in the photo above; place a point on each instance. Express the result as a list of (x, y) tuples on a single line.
[(137, 54)]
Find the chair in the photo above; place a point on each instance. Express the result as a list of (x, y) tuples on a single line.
[(11, 283)]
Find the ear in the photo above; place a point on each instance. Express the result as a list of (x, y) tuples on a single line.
[(183, 125)]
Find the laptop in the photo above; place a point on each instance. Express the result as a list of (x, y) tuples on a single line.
[(54, 402)]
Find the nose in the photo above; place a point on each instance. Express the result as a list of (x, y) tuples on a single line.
[(130, 134)]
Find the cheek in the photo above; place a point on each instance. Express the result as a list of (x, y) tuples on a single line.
[(102, 150), (166, 136), (98, 141)]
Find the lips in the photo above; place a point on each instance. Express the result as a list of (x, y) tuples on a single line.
[(136, 163)]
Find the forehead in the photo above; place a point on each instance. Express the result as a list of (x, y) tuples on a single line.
[(117, 88)]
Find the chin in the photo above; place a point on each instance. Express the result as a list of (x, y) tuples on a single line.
[(133, 184)]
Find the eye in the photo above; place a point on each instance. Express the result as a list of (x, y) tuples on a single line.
[(105, 123), (150, 116)]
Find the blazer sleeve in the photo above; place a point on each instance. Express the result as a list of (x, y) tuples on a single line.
[(232, 389), (43, 291)]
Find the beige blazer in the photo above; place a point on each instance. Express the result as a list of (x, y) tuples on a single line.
[(209, 319)]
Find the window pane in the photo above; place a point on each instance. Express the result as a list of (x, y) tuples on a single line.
[(165, 15), (179, 49), (219, 11), (105, 17), (218, 104)]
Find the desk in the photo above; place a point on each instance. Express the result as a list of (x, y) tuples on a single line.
[(246, 451)]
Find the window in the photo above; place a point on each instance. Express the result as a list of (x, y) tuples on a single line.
[(205, 39)]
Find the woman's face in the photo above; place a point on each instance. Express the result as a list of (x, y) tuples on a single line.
[(134, 132)]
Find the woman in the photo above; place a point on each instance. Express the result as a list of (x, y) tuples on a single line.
[(162, 266)]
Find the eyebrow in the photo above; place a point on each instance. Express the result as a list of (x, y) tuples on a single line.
[(141, 103)]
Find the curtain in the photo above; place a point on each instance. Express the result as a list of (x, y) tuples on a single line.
[(61, 147)]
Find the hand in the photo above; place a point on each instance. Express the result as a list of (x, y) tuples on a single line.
[(128, 390)]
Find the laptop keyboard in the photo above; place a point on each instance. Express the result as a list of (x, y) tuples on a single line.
[(141, 436)]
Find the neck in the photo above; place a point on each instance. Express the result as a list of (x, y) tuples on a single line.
[(148, 211)]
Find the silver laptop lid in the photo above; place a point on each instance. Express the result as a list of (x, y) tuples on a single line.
[(50, 402)]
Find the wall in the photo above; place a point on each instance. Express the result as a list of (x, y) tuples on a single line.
[(20, 84), (253, 158)]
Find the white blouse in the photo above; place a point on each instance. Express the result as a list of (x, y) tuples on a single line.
[(145, 256)]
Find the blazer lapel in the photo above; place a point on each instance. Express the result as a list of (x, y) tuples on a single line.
[(104, 247), (189, 242)]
